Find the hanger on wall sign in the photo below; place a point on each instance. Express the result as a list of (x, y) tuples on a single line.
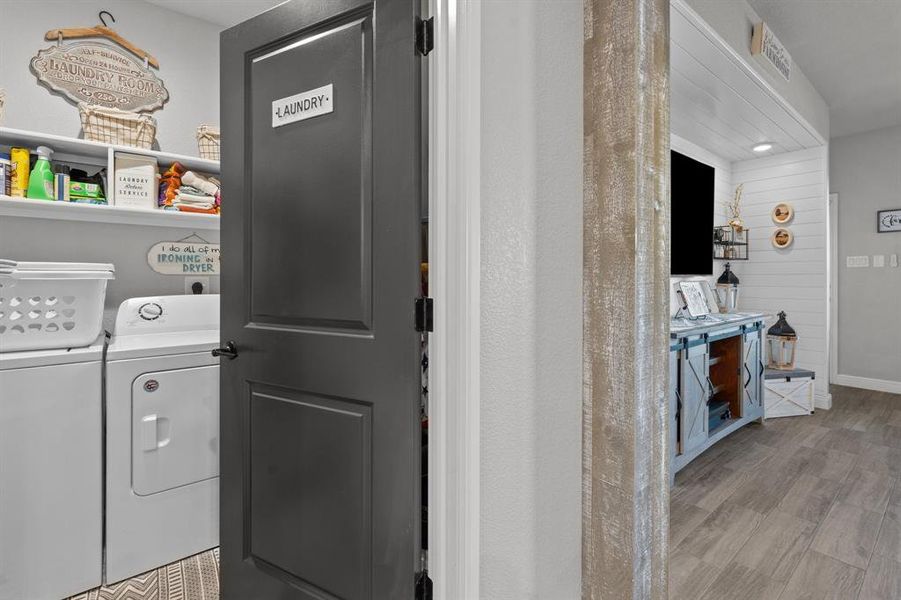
[(102, 31), (193, 237)]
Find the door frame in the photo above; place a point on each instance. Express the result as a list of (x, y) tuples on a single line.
[(832, 282), (454, 125)]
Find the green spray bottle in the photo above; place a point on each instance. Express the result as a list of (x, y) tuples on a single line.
[(40, 182)]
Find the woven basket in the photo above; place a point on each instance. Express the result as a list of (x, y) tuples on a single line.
[(208, 139), (112, 126)]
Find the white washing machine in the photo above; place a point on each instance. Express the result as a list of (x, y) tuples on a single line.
[(162, 433), (51, 472)]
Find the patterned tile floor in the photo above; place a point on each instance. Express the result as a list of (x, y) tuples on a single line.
[(797, 508), (194, 578)]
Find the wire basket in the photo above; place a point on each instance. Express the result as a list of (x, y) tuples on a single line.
[(113, 126), (208, 140)]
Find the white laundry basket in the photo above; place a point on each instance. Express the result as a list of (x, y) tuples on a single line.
[(45, 306)]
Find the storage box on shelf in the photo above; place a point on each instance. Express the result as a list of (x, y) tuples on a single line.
[(72, 150)]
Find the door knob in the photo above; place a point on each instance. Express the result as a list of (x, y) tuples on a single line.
[(230, 351)]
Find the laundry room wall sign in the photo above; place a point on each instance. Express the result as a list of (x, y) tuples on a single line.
[(184, 258), (305, 105), (99, 74)]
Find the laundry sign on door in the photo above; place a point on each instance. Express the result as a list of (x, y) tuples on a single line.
[(302, 106), (184, 258)]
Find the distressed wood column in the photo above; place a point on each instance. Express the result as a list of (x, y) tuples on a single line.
[(625, 503)]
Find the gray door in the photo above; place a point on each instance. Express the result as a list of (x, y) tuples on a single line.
[(319, 417), (752, 371), (695, 391)]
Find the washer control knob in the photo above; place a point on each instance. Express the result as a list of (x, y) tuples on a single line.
[(150, 311)]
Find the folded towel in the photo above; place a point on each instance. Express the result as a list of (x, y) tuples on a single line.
[(192, 199), (201, 183), (198, 209)]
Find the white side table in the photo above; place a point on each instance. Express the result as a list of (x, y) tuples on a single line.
[(788, 393)]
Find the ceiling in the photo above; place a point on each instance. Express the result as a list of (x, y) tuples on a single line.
[(220, 12), (718, 105), (850, 50)]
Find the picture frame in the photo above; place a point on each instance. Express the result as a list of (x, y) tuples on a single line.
[(782, 238), (782, 213), (695, 298), (888, 221)]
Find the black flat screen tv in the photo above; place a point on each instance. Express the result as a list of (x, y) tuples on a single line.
[(691, 220)]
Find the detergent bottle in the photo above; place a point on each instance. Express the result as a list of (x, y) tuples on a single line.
[(40, 182)]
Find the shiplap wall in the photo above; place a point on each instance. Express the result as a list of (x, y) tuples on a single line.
[(792, 279), (722, 191)]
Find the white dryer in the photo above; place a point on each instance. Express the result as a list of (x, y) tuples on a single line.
[(51, 465), (162, 433)]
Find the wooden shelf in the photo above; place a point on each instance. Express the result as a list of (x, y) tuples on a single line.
[(70, 149), (79, 151), (98, 213)]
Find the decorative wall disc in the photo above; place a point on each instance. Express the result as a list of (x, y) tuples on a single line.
[(783, 213), (782, 238)]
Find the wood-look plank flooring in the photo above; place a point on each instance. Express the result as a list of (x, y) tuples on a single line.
[(794, 508)]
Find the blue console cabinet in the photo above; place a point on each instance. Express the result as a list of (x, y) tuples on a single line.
[(716, 381)]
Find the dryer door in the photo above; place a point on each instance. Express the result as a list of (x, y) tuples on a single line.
[(174, 429)]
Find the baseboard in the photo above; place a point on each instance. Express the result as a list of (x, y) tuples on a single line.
[(822, 401), (878, 385)]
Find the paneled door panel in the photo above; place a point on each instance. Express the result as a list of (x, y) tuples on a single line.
[(694, 391), (321, 163), (752, 371)]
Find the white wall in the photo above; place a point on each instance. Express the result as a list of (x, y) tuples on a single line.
[(722, 192), (792, 279), (733, 21), (865, 172), (531, 298), (187, 49)]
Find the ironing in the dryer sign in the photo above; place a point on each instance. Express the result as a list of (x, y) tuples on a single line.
[(302, 106)]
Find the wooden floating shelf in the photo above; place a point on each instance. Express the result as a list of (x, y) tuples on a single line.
[(78, 151), (71, 149), (99, 213)]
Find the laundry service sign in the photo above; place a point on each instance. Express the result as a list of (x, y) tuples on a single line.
[(304, 105), (184, 258)]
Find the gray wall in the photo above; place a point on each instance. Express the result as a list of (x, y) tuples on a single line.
[(531, 330), (865, 172), (125, 246), (187, 49)]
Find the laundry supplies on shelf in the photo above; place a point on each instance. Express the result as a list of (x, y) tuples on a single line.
[(135, 181), (188, 191)]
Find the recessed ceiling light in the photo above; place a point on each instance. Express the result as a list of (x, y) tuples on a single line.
[(762, 147)]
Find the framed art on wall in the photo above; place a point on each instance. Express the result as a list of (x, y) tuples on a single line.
[(888, 220), (782, 238), (783, 213)]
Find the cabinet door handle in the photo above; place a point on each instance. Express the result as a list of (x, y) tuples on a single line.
[(748, 371), (762, 368)]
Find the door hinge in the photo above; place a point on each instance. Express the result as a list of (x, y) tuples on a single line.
[(425, 35), (424, 314), (422, 583), (423, 586)]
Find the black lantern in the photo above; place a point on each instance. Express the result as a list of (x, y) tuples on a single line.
[(782, 341), (727, 291)]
